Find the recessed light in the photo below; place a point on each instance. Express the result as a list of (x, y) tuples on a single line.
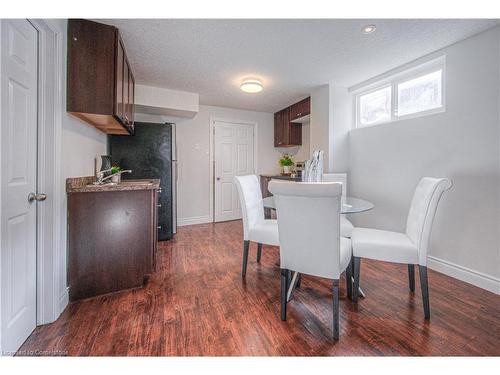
[(251, 86), (368, 29)]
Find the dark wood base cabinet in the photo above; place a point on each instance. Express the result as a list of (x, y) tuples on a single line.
[(112, 241)]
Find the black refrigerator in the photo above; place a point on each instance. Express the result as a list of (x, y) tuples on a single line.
[(151, 153)]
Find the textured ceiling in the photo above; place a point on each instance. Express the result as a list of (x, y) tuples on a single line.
[(291, 57)]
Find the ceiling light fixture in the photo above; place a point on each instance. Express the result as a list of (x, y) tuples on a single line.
[(251, 86), (368, 29)]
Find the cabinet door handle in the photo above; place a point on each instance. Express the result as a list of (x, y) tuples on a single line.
[(298, 114), (158, 227), (158, 205)]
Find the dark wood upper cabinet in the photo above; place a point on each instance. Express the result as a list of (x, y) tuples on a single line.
[(288, 133), (300, 109), (100, 83), (120, 82), (130, 102)]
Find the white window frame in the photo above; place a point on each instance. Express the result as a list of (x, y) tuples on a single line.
[(393, 80)]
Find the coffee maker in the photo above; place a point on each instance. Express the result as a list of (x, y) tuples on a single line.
[(299, 168)]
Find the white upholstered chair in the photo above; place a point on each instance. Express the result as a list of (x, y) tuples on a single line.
[(255, 227), (346, 226), (309, 231), (407, 248)]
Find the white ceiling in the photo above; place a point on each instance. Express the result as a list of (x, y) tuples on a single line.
[(291, 57)]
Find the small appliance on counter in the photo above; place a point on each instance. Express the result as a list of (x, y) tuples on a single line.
[(299, 168), (151, 153)]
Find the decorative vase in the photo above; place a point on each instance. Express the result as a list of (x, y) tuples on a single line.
[(286, 169), (116, 179)]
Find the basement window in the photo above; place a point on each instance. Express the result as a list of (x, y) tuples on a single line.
[(412, 93), (375, 107), (420, 94)]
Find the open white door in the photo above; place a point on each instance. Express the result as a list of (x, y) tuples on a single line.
[(19, 75), (234, 156)]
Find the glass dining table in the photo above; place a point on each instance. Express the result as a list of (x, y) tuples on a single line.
[(349, 205)]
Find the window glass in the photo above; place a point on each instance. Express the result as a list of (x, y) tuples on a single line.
[(375, 107), (420, 94)]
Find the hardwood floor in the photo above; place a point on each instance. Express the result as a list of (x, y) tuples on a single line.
[(197, 304)]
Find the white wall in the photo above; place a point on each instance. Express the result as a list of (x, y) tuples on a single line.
[(387, 161), (331, 113), (81, 142), (161, 101), (321, 108), (340, 126)]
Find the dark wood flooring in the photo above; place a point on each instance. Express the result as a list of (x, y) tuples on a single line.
[(197, 304)]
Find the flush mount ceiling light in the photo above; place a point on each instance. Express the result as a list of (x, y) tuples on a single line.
[(251, 86), (368, 29)]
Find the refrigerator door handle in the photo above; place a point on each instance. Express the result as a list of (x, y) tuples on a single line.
[(176, 167), (174, 142), (174, 195)]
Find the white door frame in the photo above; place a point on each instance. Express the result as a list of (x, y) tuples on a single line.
[(213, 120), (50, 107)]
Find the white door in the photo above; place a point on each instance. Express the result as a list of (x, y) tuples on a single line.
[(233, 157), (19, 78)]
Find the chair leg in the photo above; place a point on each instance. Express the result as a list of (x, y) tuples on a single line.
[(411, 276), (357, 271), (259, 252), (335, 309), (424, 285), (246, 245), (284, 289), (348, 279)]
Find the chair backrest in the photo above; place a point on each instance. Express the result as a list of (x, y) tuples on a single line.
[(309, 226), (422, 212), (337, 177), (252, 208)]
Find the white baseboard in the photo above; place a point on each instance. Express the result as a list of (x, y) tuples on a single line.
[(475, 278), (63, 301), (194, 220)]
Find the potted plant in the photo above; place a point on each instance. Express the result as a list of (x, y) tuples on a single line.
[(286, 162), (116, 179)]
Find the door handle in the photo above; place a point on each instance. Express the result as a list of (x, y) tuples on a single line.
[(218, 178), (39, 197)]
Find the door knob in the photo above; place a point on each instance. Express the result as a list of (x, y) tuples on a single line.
[(40, 197), (218, 178)]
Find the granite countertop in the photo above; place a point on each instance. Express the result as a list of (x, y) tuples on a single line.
[(84, 185), (281, 177)]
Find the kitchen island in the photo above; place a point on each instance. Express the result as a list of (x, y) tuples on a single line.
[(112, 235)]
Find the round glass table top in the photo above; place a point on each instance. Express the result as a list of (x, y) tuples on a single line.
[(349, 205)]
